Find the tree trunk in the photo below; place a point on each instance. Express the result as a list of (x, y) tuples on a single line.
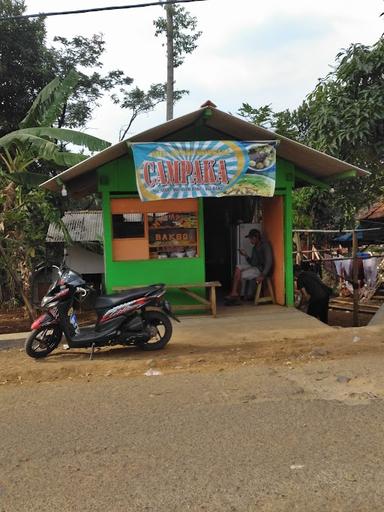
[(170, 78)]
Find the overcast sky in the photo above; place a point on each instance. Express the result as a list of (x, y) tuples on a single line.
[(250, 51)]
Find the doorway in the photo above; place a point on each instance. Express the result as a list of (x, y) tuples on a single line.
[(221, 217)]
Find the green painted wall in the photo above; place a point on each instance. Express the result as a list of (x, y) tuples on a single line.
[(284, 186), (118, 176), (117, 179)]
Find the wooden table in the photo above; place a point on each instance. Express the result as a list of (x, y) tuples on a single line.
[(203, 303)]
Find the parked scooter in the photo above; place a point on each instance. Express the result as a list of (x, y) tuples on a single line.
[(136, 317)]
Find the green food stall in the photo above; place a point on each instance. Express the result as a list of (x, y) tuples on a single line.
[(174, 196)]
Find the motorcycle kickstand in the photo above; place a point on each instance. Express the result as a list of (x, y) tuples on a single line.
[(92, 351)]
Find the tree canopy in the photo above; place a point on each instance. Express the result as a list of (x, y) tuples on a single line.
[(138, 101), (344, 117), (185, 33), (84, 55), (25, 63), (179, 29)]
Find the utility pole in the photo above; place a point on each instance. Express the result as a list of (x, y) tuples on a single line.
[(170, 79)]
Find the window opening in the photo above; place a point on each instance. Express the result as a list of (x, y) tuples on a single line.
[(128, 225)]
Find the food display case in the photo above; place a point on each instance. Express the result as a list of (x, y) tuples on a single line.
[(173, 235), (142, 231)]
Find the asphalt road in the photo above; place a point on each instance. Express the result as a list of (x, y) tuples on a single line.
[(250, 439)]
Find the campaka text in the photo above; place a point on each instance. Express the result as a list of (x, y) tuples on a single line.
[(184, 172)]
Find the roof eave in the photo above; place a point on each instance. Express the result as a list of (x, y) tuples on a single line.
[(268, 134), (91, 163), (120, 149), (313, 163)]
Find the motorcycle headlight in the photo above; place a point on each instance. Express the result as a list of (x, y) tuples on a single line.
[(46, 302)]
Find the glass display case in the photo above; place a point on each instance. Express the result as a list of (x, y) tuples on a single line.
[(173, 235), (154, 229)]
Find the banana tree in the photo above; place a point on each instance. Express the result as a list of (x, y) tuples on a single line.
[(22, 153), (37, 140)]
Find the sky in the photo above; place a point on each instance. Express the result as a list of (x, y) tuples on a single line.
[(250, 51)]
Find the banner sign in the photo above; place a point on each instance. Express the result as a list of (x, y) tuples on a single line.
[(179, 170)]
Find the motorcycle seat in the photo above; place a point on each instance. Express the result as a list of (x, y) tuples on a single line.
[(107, 301)]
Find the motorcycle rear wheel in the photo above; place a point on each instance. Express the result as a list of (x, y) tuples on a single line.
[(42, 341), (161, 330)]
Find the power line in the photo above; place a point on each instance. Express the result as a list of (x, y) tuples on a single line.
[(96, 9)]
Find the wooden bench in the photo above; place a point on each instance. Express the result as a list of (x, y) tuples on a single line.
[(203, 303)]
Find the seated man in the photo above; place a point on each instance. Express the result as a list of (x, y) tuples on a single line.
[(259, 264)]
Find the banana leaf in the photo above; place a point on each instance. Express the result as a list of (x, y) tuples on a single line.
[(50, 101), (27, 179), (65, 135), (40, 149)]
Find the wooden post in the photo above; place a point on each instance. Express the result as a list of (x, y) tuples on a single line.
[(355, 280), (213, 301), (299, 255)]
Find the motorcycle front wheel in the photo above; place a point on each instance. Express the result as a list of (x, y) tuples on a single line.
[(42, 341), (160, 329)]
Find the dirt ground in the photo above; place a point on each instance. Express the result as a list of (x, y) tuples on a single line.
[(186, 354), (16, 320), (269, 335), (276, 393)]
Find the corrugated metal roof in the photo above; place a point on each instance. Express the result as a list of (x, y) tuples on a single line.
[(82, 226), (312, 162)]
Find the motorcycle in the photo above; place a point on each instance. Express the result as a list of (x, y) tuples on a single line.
[(140, 316)]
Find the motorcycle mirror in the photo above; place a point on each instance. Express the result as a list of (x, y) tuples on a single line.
[(65, 254)]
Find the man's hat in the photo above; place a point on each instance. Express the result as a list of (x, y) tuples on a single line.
[(253, 233)]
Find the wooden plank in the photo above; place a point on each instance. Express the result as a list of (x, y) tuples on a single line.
[(213, 301), (350, 303), (168, 286), (199, 298), (346, 308), (271, 291), (184, 288), (349, 307), (265, 298), (122, 288), (258, 292), (262, 300), (195, 285), (178, 307)]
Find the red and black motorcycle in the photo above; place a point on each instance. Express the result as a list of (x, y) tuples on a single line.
[(136, 317)]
